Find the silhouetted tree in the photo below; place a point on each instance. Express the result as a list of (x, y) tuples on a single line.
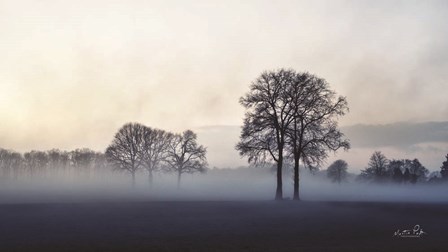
[(58, 161), (337, 171), (313, 130), (36, 162), (263, 135), (417, 170), (376, 168), (10, 162), (444, 169), (185, 155), (434, 177), (99, 163), (124, 153), (395, 170), (406, 175), (83, 161), (155, 149)]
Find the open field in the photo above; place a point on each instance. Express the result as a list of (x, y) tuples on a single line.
[(221, 226)]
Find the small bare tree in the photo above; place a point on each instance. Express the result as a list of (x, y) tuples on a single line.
[(124, 153), (376, 169), (155, 148), (337, 171), (10, 162), (36, 162), (185, 155)]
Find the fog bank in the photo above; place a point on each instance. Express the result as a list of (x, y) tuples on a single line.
[(254, 183)]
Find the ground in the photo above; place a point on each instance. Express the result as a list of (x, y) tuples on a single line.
[(221, 226)]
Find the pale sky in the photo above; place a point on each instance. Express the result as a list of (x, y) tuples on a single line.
[(73, 72)]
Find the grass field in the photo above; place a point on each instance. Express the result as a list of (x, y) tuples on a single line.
[(221, 226)]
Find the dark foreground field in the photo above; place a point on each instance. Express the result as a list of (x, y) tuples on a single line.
[(221, 226)]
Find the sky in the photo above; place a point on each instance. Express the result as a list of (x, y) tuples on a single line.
[(73, 72)]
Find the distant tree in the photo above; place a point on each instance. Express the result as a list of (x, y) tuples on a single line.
[(337, 171), (10, 162), (82, 161), (156, 144), (406, 175), (36, 162), (99, 164), (124, 153), (16, 163), (185, 155), (376, 168), (417, 170), (444, 169), (263, 135), (434, 177), (58, 161), (395, 170)]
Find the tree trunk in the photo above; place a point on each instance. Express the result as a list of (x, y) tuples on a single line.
[(133, 179), (279, 191), (178, 180), (150, 178), (296, 178)]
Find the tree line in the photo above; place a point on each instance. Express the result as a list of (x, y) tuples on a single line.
[(380, 169), (134, 148), (80, 162)]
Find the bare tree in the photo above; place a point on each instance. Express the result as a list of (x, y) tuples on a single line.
[(99, 164), (124, 153), (82, 161), (444, 169), (337, 171), (313, 131), (376, 169), (155, 148), (263, 135), (185, 155), (417, 170), (36, 162), (58, 161), (10, 162)]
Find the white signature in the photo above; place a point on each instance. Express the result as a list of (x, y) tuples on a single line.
[(416, 232)]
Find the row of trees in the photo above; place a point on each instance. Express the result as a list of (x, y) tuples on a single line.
[(291, 116), (138, 147), (82, 162), (380, 170), (134, 147)]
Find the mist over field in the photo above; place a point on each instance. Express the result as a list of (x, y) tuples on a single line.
[(242, 184)]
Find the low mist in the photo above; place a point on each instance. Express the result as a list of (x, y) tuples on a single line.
[(245, 183)]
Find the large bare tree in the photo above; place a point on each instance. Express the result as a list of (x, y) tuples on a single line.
[(125, 150), (185, 155), (263, 135), (314, 109)]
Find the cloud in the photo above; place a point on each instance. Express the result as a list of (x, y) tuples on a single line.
[(400, 134)]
